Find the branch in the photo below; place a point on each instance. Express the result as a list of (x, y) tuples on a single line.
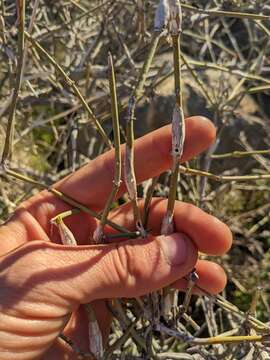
[(99, 234), (8, 146), (222, 13), (223, 178)]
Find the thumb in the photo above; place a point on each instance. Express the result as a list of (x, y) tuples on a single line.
[(131, 268), (63, 276), (41, 283)]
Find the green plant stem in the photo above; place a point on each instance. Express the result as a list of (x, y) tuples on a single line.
[(130, 178), (98, 234), (71, 84), (223, 178), (240, 154), (8, 146), (63, 197), (258, 89), (221, 13), (242, 74), (148, 198), (214, 339), (198, 80)]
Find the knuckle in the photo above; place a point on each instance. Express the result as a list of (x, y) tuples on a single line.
[(126, 266)]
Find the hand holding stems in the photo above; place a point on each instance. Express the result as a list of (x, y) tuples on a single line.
[(43, 282)]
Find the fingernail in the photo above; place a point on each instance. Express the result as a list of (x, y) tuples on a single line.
[(175, 248)]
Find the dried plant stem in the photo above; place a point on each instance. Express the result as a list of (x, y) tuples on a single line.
[(8, 146), (254, 301), (98, 234), (120, 341), (30, 29), (63, 197), (223, 178), (130, 178), (148, 198), (80, 353), (95, 336), (239, 154), (211, 340), (125, 321), (192, 279), (76, 90), (221, 13), (178, 135), (178, 138), (258, 325), (173, 356), (242, 74), (198, 80)]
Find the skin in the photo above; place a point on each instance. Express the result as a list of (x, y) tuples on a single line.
[(43, 282)]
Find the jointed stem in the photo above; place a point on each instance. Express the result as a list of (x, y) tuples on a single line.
[(98, 235), (178, 138), (178, 129), (130, 178)]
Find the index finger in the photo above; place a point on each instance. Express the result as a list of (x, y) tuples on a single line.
[(92, 184)]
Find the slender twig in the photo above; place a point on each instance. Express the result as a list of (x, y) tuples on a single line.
[(76, 349), (76, 90), (223, 68), (29, 30), (223, 178), (130, 178), (258, 89), (240, 154), (198, 80), (98, 234), (148, 198), (69, 200), (178, 138), (212, 340), (8, 146), (240, 15), (192, 279)]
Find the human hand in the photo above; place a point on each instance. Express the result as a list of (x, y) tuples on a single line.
[(42, 282)]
